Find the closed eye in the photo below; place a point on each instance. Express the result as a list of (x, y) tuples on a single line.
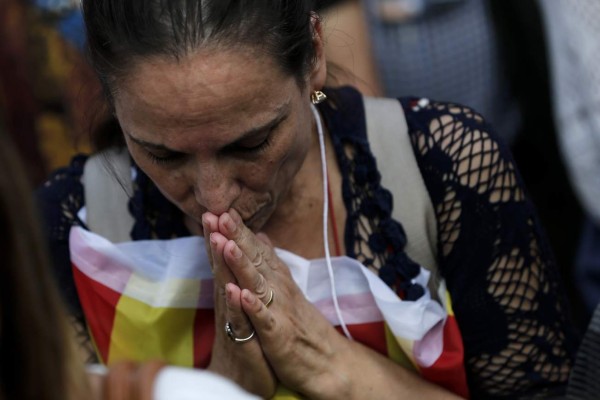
[(164, 158), (256, 143), (258, 148)]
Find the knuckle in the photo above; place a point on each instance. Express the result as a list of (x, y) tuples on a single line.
[(258, 259), (260, 285), (242, 235)]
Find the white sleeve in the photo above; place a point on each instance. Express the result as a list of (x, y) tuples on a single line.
[(175, 383)]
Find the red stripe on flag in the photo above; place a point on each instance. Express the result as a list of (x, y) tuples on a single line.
[(448, 371), (371, 334), (204, 336), (99, 304)]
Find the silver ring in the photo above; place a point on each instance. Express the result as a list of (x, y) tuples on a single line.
[(268, 303), (229, 332)]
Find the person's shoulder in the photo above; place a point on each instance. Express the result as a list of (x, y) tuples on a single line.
[(61, 197), (63, 180), (425, 110), (442, 123), (456, 143)]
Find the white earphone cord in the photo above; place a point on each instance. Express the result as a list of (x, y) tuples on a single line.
[(338, 312)]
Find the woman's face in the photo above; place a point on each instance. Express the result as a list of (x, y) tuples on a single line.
[(218, 130)]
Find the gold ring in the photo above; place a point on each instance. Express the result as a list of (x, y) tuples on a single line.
[(268, 303)]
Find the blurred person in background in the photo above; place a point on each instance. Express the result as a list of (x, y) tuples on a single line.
[(46, 87), (573, 31), (37, 357)]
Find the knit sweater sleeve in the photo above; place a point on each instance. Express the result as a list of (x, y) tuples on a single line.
[(498, 267)]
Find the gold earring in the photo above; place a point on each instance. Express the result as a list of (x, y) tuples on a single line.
[(317, 97)]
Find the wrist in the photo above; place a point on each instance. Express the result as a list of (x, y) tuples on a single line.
[(332, 385), (336, 380)]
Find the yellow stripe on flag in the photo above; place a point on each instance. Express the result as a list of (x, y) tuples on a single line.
[(395, 350), (142, 332), (448, 305), (283, 393)]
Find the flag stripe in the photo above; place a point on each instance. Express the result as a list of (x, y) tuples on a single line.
[(204, 337), (142, 332), (448, 370), (159, 304), (99, 304)]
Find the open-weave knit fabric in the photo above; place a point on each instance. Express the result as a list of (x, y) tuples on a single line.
[(503, 279), (498, 269)]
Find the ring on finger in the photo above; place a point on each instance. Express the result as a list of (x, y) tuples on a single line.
[(231, 334), (271, 296)]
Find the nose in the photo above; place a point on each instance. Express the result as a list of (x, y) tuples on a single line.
[(215, 189)]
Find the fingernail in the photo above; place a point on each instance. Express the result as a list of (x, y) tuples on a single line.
[(247, 297), (236, 252), (228, 293), (213, 240), (230, 225), (235, 216)]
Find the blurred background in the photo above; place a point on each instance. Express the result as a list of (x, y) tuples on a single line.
[(46, 88), (526, 65)]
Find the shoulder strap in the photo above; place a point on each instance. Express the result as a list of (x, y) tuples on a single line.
[(108, 186), (389, 141)]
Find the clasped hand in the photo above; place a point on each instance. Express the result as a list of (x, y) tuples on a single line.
[(292, 343)]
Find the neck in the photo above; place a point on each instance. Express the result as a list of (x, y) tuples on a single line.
[(297, 223)]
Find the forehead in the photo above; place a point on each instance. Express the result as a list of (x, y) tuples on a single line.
[(212, 89)]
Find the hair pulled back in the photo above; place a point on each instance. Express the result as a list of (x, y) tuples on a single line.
[(123, 32)]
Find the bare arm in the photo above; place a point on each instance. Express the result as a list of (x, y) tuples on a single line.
[(348, 46)]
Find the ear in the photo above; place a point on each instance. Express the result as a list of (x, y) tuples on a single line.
[(318, 73)]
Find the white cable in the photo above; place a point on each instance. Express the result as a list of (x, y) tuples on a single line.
[(338, 312)]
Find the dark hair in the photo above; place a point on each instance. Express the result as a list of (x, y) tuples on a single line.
[(37, 357), (122, 32)]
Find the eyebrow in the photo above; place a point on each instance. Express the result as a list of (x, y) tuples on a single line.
[(149, 145), (281, 111)]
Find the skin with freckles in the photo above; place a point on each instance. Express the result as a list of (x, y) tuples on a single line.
[(217, 130), (223, 130), (230, 138)]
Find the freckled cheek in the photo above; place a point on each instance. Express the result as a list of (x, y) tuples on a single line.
[(297, 152), (257, 177), (175, 187), (171, 184)]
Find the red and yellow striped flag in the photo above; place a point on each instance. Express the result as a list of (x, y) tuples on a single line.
[(154, 299)]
